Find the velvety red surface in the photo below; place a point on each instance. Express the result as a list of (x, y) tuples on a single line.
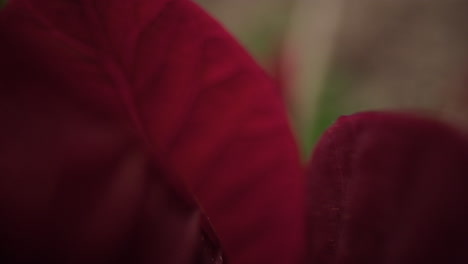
[(388, 188), (96, 92), (124, 123)]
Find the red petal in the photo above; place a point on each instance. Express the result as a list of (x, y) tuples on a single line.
[(389, 188), (76, 187), (167, 72), (217, 119)]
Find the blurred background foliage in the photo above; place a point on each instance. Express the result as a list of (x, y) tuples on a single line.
[(337, 57)]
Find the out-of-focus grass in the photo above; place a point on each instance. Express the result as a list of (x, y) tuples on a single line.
[(330, 106), (2, 3), (264, 41)]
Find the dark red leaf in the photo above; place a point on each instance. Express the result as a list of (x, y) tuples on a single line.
[(388, 188), (218, 120), (76, 186), (76, 75)]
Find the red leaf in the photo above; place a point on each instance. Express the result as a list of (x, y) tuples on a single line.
[(76, 186), (388, 188), (217, 119), (164, 74)]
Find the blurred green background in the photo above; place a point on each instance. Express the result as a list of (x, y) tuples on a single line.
[(337, 57)]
